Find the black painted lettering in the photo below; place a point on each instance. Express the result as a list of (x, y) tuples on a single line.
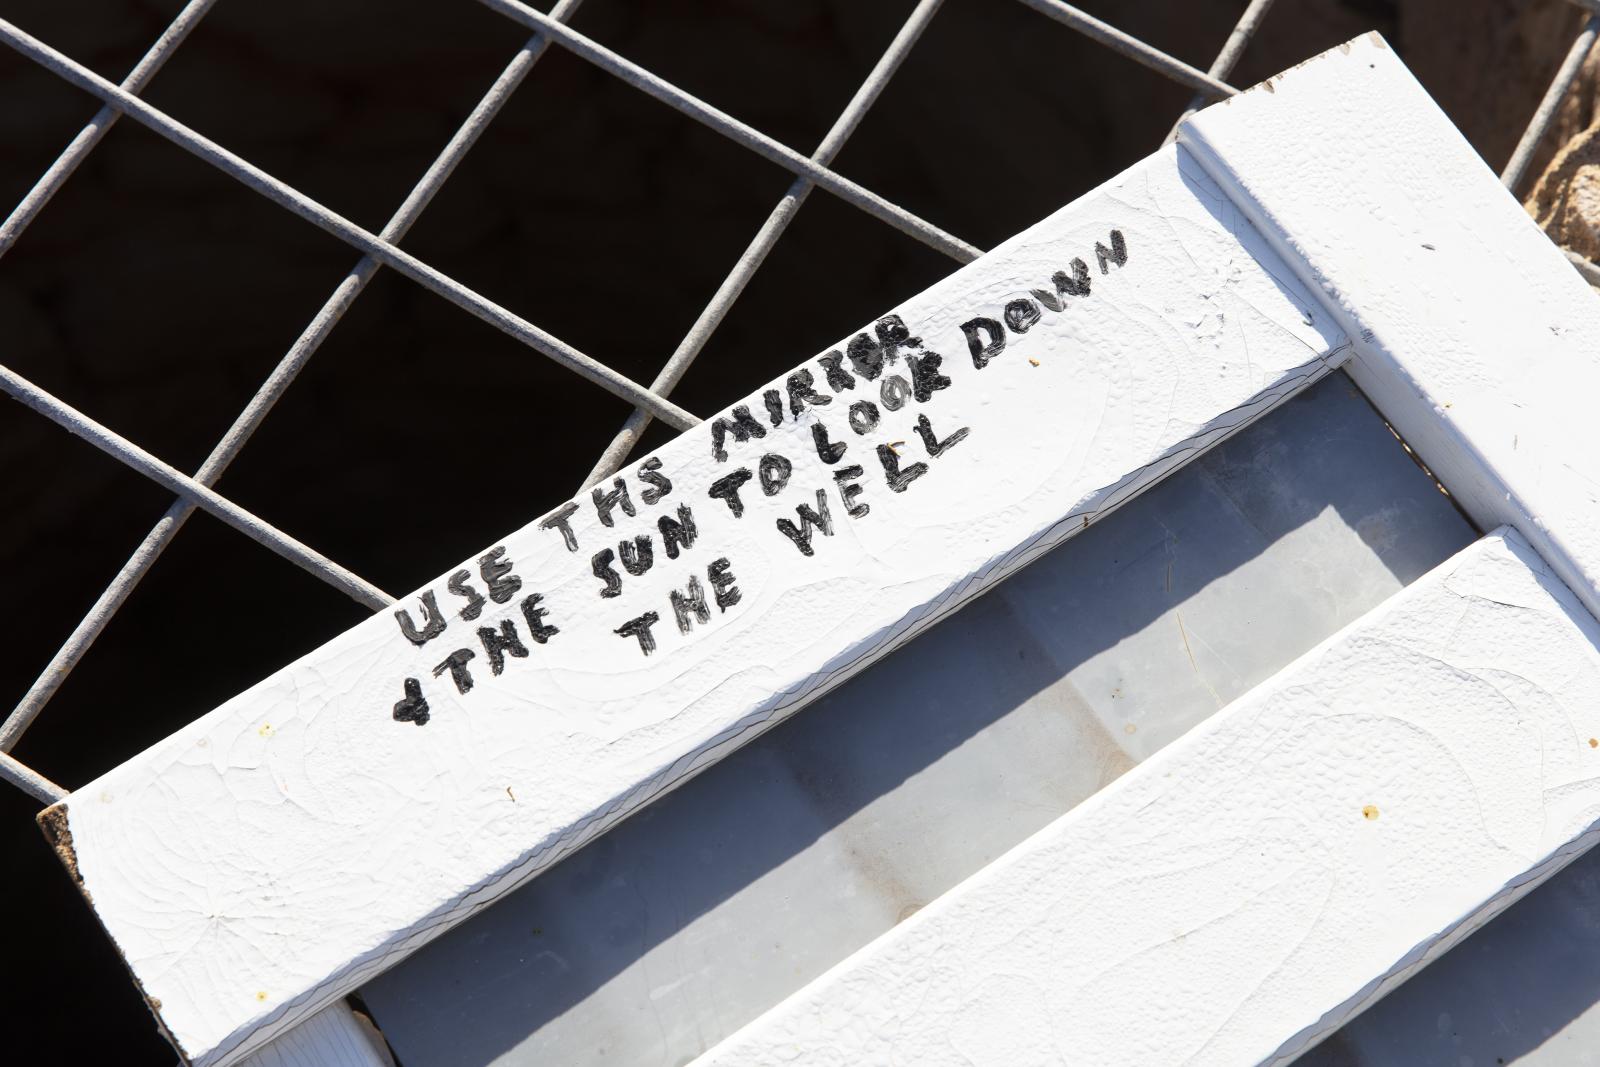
[(774, 471), (863, 416), (833, 369), (930, 440), (660, 485), (1117, 253), (892, 392), (692, 601), (603, 570), (983, 350), (498, 645), (829, 451), (1075, 284), (606, 502), (742, 425), (538, 629), (677, 535), (722, 588), (456, 664), (558, 520), (640, 628), (802, 392), (496, 574), (809, 520), (845, 479), (638, 555), (1021, 314), (475, 600), (414, 707), (432, 621), (774, 402), (893, 335), (898, 478), (925, 377), (726, 489), (866, 356)]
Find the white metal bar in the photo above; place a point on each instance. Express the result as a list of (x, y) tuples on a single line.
[(155, 542), (1128, 45), (737, 131), (78, 150), (1232, 50), (330, 222), (164, 474), (1585, 267), (1517, 166), (756, 252), (29, 780)]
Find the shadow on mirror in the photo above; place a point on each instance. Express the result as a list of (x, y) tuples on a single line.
[(1524, 990), (708, 907)]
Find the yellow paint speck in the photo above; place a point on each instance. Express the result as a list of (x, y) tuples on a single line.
[(266, 729), (1130, 729), (261, 995), (1594, 742), (1369, 812)]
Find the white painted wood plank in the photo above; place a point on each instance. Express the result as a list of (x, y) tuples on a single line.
[(1473, 334), (258, 864), (1246, 890), (334, 1037)]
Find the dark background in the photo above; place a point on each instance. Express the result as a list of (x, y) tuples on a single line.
[(154, 293)]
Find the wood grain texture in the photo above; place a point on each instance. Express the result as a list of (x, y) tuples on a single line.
[(260, 863), (1246, 890)]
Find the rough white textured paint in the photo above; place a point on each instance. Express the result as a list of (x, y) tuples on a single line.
[(1246, 890), (1473, 334), (281, 849)]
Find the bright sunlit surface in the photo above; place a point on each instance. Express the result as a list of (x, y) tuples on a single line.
[(694, 916)]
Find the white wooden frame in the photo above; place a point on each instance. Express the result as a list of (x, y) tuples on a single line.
[(1242, 894), (260, 863)]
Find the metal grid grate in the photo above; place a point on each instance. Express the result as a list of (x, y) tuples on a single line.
[(380, 250)]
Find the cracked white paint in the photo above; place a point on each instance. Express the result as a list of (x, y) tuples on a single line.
[(1246, 890), (281, 849)]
